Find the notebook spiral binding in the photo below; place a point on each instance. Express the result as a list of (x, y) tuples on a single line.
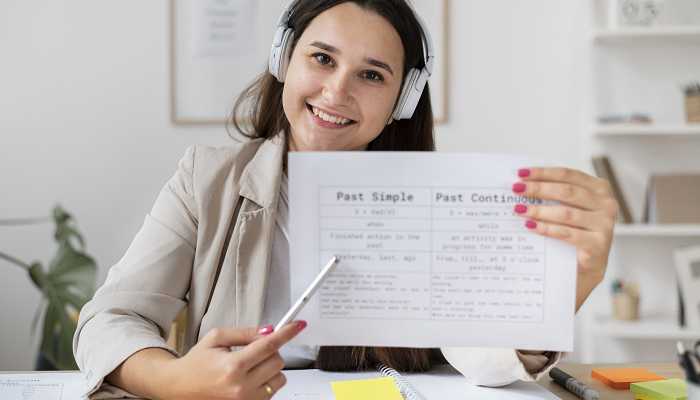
[(405, 387)]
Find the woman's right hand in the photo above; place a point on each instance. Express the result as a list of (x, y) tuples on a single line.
[(210, 370)]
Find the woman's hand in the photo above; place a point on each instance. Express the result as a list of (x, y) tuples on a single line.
[(210, 370), (585, 218)]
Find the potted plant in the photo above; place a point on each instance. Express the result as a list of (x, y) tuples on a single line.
[(692, 101), (66, 284)]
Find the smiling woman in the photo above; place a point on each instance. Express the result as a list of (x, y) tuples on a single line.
[(340, 91), (342, 75)]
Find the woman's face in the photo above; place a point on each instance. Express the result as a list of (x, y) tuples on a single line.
[(343, 80)]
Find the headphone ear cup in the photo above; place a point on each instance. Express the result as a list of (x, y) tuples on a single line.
[(285, 53), (401, 111), (279, 57), (416, 91)]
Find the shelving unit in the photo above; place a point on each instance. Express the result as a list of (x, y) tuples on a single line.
[(644, 35), (657, 327), (639, 70), (671, 230), (689, 130)]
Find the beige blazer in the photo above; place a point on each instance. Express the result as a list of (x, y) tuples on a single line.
[(206, 244)]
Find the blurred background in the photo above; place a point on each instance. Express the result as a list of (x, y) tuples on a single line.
[(99, 99)]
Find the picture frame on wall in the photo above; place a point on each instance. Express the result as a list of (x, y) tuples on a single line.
[(219, 47)]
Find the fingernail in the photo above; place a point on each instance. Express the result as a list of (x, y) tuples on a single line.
[(266, 330), (523, 172), (520, 208), (519, 187), (301, 325), (530, 224)]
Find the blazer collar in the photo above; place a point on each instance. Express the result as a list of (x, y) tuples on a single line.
[(261, 177)]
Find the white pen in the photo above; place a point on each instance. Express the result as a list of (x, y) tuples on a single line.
[(289, 316)]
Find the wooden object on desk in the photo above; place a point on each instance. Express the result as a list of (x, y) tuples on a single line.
[(582, 372)]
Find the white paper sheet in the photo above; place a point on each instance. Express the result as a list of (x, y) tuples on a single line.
[(43, 386), (431, 253), (224, 28), (444, 383)]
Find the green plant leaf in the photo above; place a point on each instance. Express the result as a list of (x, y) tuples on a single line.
[(66, 285), (37, 275), (37, 315), (56, 343), (65, 230), (70, 283), (73, 268)]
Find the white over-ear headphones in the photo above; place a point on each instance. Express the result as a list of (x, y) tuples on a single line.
[(413, 84)]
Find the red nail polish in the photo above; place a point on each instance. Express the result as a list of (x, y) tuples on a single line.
[(301, 325), (519, 187), (520, 208), (266, 330), (523, 172), (530, 224)]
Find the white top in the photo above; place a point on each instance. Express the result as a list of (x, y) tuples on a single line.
[(277, 295), (481, 366)]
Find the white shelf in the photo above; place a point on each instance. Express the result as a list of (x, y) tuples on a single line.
[(634, 130), (689, 34), (647, 327), (667, 230)]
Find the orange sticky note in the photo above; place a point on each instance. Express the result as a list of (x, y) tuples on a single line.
[(366, 389), (620, 378)]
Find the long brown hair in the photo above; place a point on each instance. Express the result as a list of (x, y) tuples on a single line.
[(258, 113)]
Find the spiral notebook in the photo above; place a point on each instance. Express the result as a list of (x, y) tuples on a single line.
[(443, 383)]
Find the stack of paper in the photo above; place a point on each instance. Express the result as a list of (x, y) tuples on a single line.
[(443, 383), (669, 389), (621, 378), (43, 386)]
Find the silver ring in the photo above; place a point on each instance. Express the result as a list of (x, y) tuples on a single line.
[(269, 389)]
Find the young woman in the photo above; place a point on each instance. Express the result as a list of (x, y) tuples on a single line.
[(214, 240)]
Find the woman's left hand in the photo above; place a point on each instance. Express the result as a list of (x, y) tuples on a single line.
[(584, 218)]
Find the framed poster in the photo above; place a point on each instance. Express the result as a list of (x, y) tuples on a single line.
[(219, 47)]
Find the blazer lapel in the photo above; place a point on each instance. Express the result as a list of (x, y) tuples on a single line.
[(260, 187)]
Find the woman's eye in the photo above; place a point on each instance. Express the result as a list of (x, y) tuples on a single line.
[(322, 58), (373, 76)]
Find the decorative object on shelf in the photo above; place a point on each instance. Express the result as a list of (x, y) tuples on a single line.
[(634, 12), (692, 101), (66, 285), (687, 262), (625, 300), (603, 168), (680, 13), (673, 199), (624, 118)]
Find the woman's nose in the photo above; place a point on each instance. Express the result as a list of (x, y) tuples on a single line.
[(336, 89)]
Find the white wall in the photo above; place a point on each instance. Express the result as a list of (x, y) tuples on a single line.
[(84, 94)]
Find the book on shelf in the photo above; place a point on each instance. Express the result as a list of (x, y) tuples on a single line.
[(673, 199), (604, 170)]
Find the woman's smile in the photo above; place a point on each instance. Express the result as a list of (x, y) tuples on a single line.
[(328, 119)]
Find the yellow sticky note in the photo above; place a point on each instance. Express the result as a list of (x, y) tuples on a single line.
[(366, 389), (668, 389)]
